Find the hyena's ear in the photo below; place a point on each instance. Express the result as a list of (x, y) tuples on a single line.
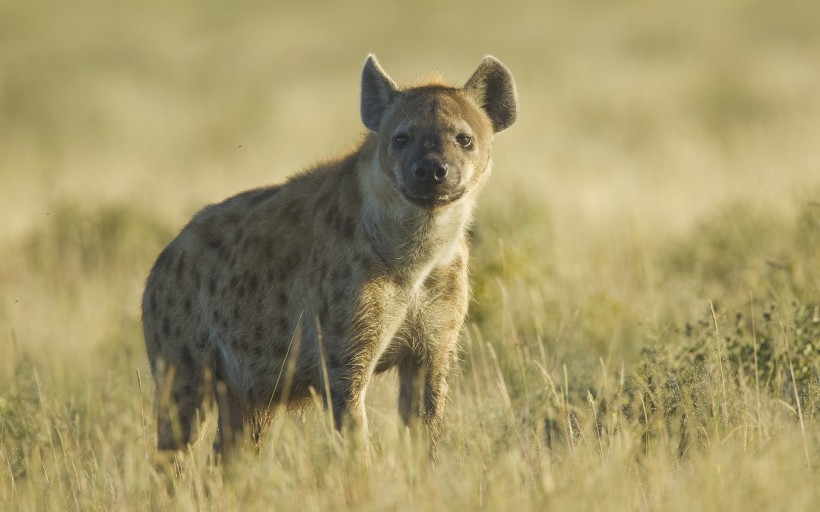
[(378, 91), (492, 86)]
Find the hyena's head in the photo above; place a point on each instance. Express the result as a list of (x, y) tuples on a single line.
[(435, 140)]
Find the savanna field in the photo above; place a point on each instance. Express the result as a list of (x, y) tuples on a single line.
[(645, 326)]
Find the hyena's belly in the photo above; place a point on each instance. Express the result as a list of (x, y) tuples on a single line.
[(265, 366)]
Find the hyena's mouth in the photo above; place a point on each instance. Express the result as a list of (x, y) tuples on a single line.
[(433, 202)]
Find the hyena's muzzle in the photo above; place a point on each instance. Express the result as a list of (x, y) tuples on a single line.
[(432, 166)]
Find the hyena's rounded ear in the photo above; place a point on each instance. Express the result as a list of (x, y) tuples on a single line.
[(493, 87), (378, 91)]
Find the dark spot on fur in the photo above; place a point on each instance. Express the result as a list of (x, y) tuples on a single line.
[(293, 212), (283, 298), (234, 282), (202, 340), (187, 357), (153, 365), (187, 305), (325, 198), (250, 243), (152, 303), (240, 292), (164, 259), (270, 249), (280, 350), (236, 312), (365, 263), (181, 265), (283, 324), (177, 332), (259, 331), (456, 324), (216, 316), (338, 327), (262, 195), (291, 261), (197, 277), (338, 274), (212, 285), (330, 217), (152, 342), (253, 282), (258, 351), (189, 390), (453, 279), (215, 243), (237, 237), (348, 228), (166, 326), (337, 222), (333, 360)]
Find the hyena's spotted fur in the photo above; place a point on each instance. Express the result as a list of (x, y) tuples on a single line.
[(351, 268)]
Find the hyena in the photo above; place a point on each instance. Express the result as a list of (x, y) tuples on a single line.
[(353, 267)]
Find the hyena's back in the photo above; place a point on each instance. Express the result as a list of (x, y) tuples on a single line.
[(223, 300)]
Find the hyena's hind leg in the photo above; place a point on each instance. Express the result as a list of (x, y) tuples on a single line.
[(238, 423), (230, 420), (180, 394), (236, 418)]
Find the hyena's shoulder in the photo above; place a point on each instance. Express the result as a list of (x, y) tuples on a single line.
[(275, 225), (293, 203)]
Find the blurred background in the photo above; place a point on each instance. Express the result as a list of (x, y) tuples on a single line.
[(642, 126)]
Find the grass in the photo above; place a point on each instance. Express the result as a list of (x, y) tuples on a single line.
[(645, 330)]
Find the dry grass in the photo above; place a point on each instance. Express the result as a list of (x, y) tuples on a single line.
[(646, 326)]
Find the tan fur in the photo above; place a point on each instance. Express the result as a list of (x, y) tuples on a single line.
[(335, 273)]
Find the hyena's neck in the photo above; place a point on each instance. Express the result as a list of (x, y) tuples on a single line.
[(409, 240)]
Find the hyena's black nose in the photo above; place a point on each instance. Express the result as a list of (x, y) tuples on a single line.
[(430, 169)]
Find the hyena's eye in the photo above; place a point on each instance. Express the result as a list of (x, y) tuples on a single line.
[(401, 140), (464, 140)]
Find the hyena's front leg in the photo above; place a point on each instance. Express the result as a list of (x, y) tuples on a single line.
[(423, 368), (347, 386), (423, 384), (435, 388), (349, 349), (340, 374)]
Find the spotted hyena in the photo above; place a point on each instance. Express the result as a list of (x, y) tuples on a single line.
[(348, 269)]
